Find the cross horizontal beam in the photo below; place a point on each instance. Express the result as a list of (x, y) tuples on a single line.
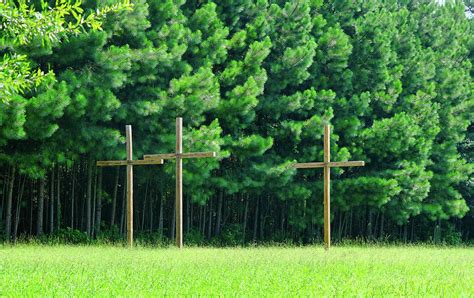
[(109, 163), (179, 155), (311, 165)]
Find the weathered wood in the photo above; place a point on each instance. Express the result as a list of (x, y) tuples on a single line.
[(177, 227), (129, 162), (327, 188), (312, 165), (308, 165), (128, 132), (109, 163), (327, 165), (179, 182), (339, 164), (180, 155)]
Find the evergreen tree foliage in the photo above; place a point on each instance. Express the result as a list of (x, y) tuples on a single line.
[(255, 81)]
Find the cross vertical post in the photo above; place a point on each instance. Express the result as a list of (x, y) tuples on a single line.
[(179, 182), (128, 135), (327, 165), (327, 188), (129, 162), (178, 155)]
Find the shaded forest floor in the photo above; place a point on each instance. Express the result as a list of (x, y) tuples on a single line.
[(110, 271)]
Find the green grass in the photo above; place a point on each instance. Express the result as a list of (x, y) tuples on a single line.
[(28, 270)]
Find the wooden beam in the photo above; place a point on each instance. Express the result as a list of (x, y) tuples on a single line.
[(159, 156), (332, 164), (327, 187), (109, 163), (346, 164), (128, 132), (308, 165), (179, 182), (181, 155)]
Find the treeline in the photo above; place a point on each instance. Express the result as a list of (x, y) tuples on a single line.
[(254, 81)]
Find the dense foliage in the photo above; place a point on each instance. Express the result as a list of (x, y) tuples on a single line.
[(255, 81)]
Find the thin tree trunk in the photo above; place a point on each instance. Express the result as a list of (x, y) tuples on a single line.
[(152, 199), (122, 216), (114, 197), (98, 207), (245, 217), (204, 215), (5, 184), (262, 221), (209, 229), (18, 209), (256, 220), (8, 217), (73, 193), (94, 204), (51, 203), (30, 231), (160, 223), (382, 221), (89, 199), (187, 213), (39, 219), (219, 212), (58, 200), (144, 204), (173, 220)]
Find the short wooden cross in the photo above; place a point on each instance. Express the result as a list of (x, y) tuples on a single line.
[(179, 155), (327, 165), (129, 163)]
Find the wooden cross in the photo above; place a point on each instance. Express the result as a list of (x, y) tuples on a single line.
[(179, 155), (129, 163), (327, 165)]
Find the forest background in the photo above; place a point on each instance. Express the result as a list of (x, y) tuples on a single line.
[(255, 81)]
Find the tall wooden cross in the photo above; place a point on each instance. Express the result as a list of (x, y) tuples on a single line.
[(129, 163), (327, 165), (179, 155)]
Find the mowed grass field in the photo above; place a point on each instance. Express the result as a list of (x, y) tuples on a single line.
[(30, 270)]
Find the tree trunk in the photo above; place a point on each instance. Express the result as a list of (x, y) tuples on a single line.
[(144, 204), (8, 217), (245, 217), (173, 225), (5, 184), (204, 215), (187, 212), (219, 213), (256, 220), (31, 208), (18, 209), (73, 193), (160, 224), (58, 200), (382, 221), (152, 200), (209, 229), (98, 207), (122, 215), (94, 204), (39, 219), (51, 204), (89, 199), (114, 197)]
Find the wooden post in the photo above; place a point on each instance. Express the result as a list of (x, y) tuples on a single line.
[(179, 182), (327, 165), (327, 187), (128, 132), (178, 156)]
